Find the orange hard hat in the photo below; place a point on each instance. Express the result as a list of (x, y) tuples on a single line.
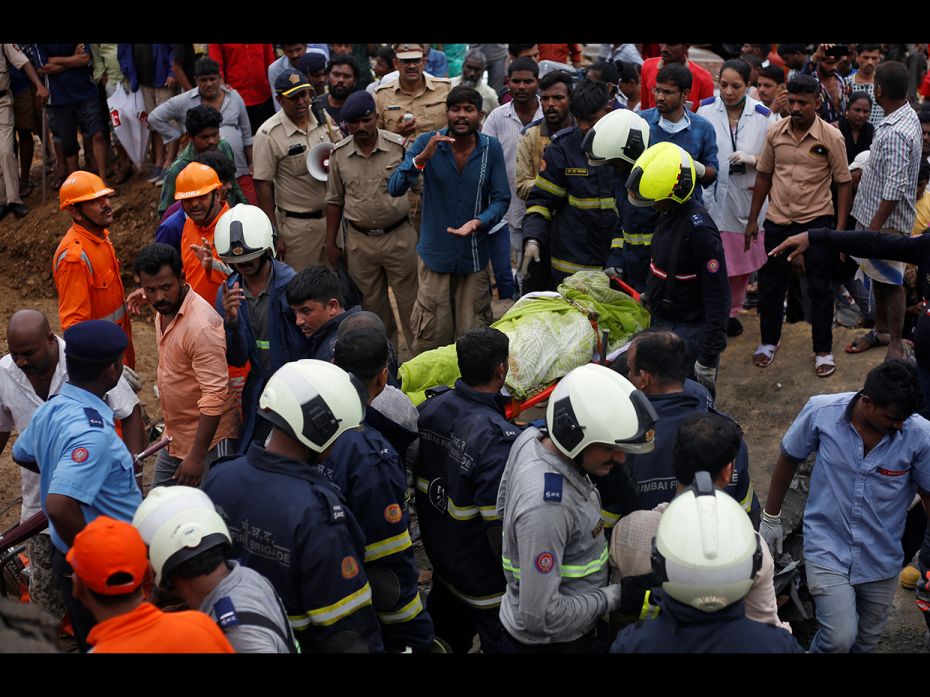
[(195, 180), (81, 186)]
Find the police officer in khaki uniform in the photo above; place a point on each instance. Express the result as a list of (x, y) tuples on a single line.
[(282, 181), (381, 242), (413, 104)]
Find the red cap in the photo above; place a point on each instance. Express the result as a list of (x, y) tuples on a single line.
[(106, 547)]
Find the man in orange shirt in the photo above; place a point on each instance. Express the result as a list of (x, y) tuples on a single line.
[(702, 84), (85, 266), (200, 414), (110, 563)]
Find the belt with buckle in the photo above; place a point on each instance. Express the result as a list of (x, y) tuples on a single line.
[(303, 216), (379, 231)]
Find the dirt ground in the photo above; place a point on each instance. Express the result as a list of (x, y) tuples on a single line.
[(764, 401)]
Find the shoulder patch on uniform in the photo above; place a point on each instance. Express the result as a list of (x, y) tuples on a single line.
[(393, 513), (762, 109), (708, 100), (94, 420), (225, 613), (349, 567), (713, 266), (544, 562), (701, 220), (80, 454), (552, 490), (394, 137)]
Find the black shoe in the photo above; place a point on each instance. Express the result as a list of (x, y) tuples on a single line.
[(4, 210), (734, 327), (20, 210)]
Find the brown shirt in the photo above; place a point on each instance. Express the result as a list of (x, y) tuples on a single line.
[(358, 183), (192, 376), (802, 168), (428, 105), (279, 154)]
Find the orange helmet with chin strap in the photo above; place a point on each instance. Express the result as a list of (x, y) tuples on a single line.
[(195, 180), (81, 186)]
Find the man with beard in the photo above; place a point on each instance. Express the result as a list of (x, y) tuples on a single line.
[(193, 383), (555, 99), (675, 54), (261, 333), (31, 374), (341, 78), (85, 266), (281, 177), (465, 194), (473, 76), (380, 241), (505, 123)]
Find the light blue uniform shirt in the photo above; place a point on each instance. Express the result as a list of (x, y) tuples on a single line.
[(74, 442), (857, 506)]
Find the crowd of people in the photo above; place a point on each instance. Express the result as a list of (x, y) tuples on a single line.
[(326, 210)]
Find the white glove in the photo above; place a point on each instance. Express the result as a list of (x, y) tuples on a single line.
[(739, 157), (706, 376), (132, 377), (772, 532), (530, 253), (699, 170)]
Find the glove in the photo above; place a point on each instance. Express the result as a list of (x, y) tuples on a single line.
[(699, 170), (706, 376), (132, 377), (614, 271), (530, 253), (739, 157), (772, 532)]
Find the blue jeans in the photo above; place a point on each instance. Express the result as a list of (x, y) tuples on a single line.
[(850, 617), (499, 249)]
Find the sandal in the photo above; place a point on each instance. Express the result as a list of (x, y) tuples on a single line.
[(824, 366), (764, 355), (871, 339)]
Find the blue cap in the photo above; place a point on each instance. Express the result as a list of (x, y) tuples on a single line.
[(357, 105), (95, 340), (311, 62), (290, 82)]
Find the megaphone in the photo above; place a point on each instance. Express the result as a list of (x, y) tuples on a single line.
[(318, 161)]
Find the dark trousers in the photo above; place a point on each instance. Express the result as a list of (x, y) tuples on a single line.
[(457, 623), (259, 113), (594, 641), (773, 283), (82, 621)]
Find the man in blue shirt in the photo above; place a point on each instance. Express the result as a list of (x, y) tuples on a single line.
[(873, 452), (465, 194), (668, 121), (86, 470)]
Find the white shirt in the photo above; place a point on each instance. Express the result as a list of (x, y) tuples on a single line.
[(19, 401), (729, 198)]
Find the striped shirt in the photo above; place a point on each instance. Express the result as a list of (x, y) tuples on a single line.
[(891, 173), (504, 124)]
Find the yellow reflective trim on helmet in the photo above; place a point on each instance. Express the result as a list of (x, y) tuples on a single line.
[(387, 547), (404, 614), (540, 210), (549, 187), (330, 614), (571, 267)]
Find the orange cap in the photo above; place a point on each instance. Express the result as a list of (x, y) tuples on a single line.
[(106, 547), (195, 180), (81, 186)]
